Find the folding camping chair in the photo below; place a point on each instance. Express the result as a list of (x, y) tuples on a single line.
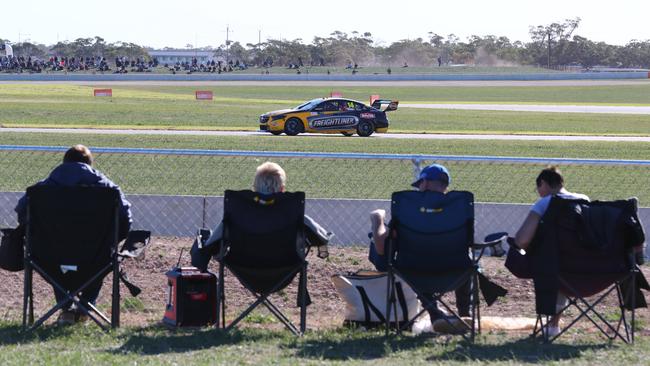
[(71, 242), (430, 237), (264, 247), (585, 251)]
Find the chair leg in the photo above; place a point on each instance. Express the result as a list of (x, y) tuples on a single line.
[(633, 305), (115, 306), (303, 298), (391, 297), (283, 319), (545, 334), (476, 307), (27, 294), (221, 302)]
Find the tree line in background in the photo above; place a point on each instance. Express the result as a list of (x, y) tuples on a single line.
[(550, 46)]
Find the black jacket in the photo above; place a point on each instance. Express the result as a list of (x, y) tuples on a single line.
[(583, 238)]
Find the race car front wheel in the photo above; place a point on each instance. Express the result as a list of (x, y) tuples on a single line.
[(293, 127), (365, 128)]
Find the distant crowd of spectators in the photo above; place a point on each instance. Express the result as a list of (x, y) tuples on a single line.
[(55, 63), (19, 64), (210, 66), (124, 65)]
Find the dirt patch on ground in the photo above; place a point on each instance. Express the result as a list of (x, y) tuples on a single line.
[(326, 311)]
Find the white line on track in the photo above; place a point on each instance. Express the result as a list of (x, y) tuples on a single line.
[(537, 108), (429, 136)]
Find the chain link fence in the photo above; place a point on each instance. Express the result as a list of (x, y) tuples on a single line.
[(175, 192)]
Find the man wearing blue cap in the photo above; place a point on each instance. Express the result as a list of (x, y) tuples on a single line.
[(433, 178)]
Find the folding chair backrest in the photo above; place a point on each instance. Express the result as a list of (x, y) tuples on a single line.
[(264, 231), (592, 237), (74, 226), (434, 230)]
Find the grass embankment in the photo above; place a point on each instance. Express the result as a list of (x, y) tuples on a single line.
[(238, 107)]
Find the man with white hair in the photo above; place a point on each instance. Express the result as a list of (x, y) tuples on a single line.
[(269, 178)]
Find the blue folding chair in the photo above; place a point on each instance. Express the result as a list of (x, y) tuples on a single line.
[(431, 235)]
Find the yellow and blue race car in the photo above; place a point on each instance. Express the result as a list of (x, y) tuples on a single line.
[(330, 115)]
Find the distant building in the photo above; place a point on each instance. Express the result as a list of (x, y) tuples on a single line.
[(174, 56)]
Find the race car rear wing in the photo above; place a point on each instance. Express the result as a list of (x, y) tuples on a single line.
[(391, 105)]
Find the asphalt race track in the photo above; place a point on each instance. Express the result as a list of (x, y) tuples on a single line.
[(430, 136)]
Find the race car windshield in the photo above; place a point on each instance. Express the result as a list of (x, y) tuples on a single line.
[(309, 105)]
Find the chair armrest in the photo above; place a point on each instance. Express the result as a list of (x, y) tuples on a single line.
[(491, 240), (135, 243)]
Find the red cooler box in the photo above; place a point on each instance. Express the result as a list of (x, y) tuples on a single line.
[(191, 298)]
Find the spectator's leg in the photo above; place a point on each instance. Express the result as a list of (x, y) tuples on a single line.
[(463, 295), (378, 229), (91, 292), (378, 234), (434, 311), (378, 260), (561, 302), (60, 296)]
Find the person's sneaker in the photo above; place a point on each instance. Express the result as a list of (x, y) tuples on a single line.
[(551, 331), (66, 317), (438, 313)]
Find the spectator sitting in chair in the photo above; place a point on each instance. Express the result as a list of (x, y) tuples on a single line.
[(549, 183), (270, 178), (433, 178), (77, 170)]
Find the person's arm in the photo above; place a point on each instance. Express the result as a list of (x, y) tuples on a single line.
[(21, 209), (125, 217), (527, 230)]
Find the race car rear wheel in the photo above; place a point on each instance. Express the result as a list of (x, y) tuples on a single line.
[(347, 134), (293, 127), (365, 128), (276, 133)]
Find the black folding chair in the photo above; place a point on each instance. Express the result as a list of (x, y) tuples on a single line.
[(584, 250), (71, 242), (264, 247), (430, 237)]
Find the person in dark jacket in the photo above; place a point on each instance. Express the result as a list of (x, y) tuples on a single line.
[(77, 170)]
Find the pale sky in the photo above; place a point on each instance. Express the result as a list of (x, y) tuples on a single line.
[(203, 22)]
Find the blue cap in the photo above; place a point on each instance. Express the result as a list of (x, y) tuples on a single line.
[(433, 172)]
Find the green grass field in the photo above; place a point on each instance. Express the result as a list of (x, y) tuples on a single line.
[(238, 107), (155, 345)]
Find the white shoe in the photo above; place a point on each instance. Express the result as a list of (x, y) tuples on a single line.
[(551, 331)]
